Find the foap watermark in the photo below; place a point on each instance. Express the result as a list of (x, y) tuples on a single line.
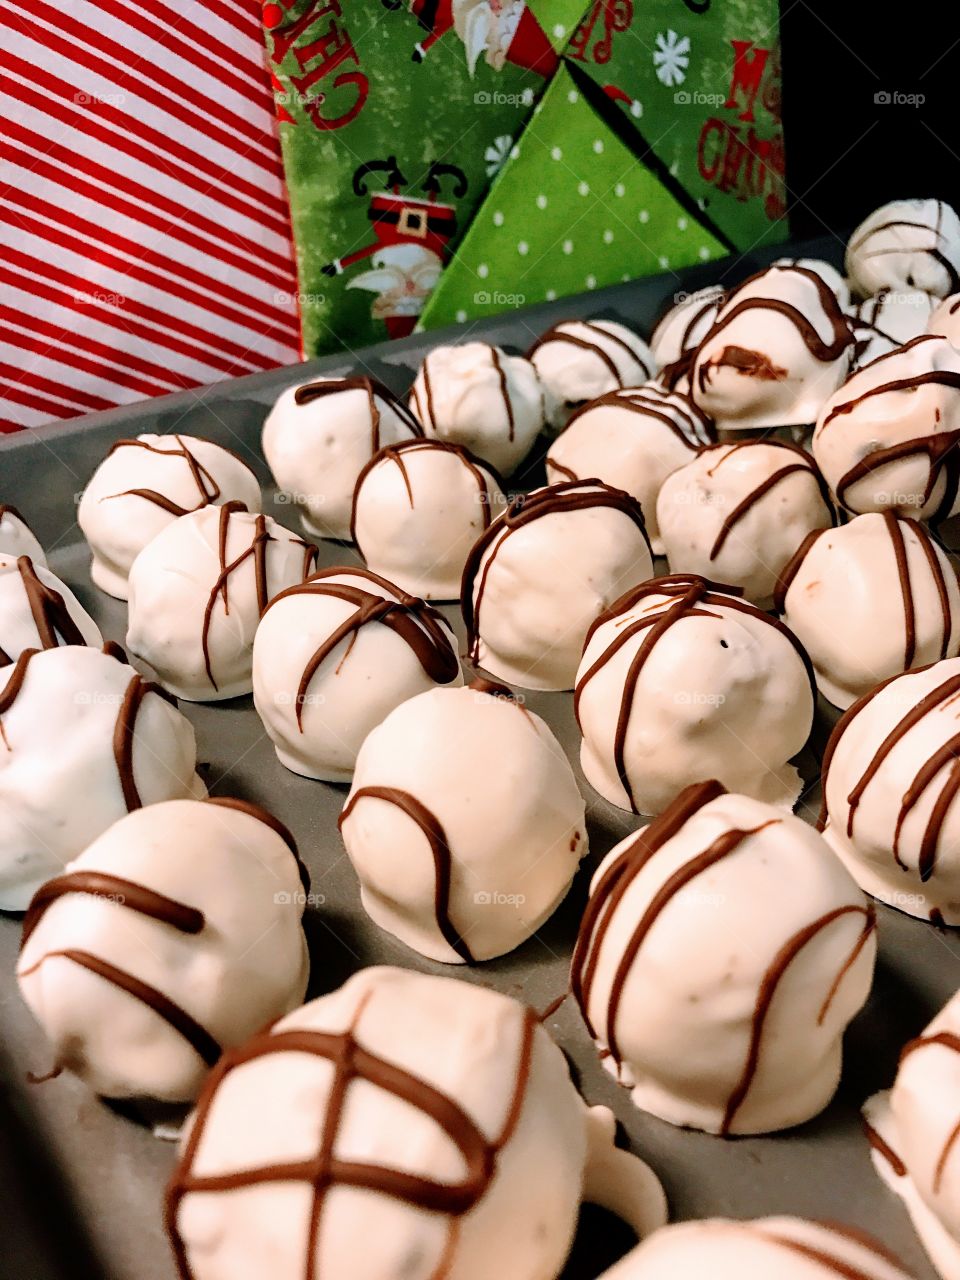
[(696, 98), (283, 298), (901, 497), (497, 98), (898, 98), (698, 295), (287, 699), (497, 298), (699, 698), (97, 698), (299, 898), (694, 897), (103, 296), (115, 99), (493, 898), (295, 498)]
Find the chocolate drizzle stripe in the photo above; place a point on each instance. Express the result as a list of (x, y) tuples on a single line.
[(269, 820), (687, 422), (945, 1154), (938, 814), (761, 491), (556, 499), (792, 568), (557, 333), (883, 1148), (48, 609), (616, 880), (440, 851), (208, 491), (311, 392), (830, 1261), (932, 377), (943, 756), (768, 990), (352, 1062), (199, 1039), (127, 893), (15, 681), (906, 590), (940, 1039), (567, 473), (123, 739), (935, 565), (258, 551), (504, 391), (943, 459)]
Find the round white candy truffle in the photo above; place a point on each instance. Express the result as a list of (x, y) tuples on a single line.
[(198, 592), (175, 935), (142, 486), (543, 571), (827, 272), (579, 360), (906, 244), (868, 600), (788, 1248), (737, 513), (944, 321), (888, 320), (779, 347), (680, 682), (476, 395), (914, 1135), (686, 324), (318, 437), (38, 611), (886, 441), (16, 536), (631, 439), (890, 776), (464, 823), (722, 953), (432, 1121), (83, 740), (333, 656), (418, 509)]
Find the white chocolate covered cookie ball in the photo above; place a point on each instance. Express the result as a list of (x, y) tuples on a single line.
[(906, 244), (579, 360), (38, 611), (16, 536)]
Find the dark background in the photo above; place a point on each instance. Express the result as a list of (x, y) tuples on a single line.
[(845, 152)]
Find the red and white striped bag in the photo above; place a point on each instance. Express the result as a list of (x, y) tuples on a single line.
[(144, 235)]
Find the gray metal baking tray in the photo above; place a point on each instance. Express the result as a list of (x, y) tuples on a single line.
[(81, 1181)]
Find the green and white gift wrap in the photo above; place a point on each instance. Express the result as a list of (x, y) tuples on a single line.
[(448, 158)]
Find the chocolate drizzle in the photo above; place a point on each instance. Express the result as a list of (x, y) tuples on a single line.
[(829, 1261), (126, 893), (934, 251), (685, 419), (560, 333), (557, 499), (421, 627), (257, 551), (124, 734), (326, 1170), (692, 597), (883, 1148), (504, 391), (269, 820), (482, 472), (436, 839), (375, 389), (208, 491), (51, 617)]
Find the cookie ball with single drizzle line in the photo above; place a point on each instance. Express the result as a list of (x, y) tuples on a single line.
[(788, 1248), (84, 739), (683, 327), (17, 538), (887, 439), (914, 1135), (579, 360), (906, 244), (737, 513), (431, 1120), (543, 572), (418, 508), (464, 823), (631, 439), (198, 592), (477, 396), (681, 680), (722, 953), (38, 611), (890, 777), (174, 935), (143, 485), (779, 347), (318, 437), (333, 656), (868, 600)]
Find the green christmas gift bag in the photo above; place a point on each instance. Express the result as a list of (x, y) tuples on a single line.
[(449, 157)]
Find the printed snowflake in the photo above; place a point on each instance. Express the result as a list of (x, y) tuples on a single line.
[(671, 58), (496, 154)]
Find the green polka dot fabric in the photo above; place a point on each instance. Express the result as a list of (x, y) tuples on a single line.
[(571, 210)]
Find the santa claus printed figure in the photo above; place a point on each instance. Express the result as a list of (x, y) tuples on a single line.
[(412, 238), (499, 31)]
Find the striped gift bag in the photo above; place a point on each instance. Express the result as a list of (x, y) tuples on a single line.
[(144, 234)]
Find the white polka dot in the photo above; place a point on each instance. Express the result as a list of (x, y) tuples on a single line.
[(498, 218), (674, 168), (573, 96), (664, 262), (643, 215), (598, 146), (704, 252), (461, 317), (550, 295), (556, 153), (591, 282), (608, 237), (568, 246), (559, 30), (583, 188), (523, 248), (681, 224), (514, 153), (526, 97), (483, 271), (541, 202), (619, 189), (636, 110), (626, 277)]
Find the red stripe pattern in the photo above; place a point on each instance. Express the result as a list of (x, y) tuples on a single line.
[(144, 234)]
